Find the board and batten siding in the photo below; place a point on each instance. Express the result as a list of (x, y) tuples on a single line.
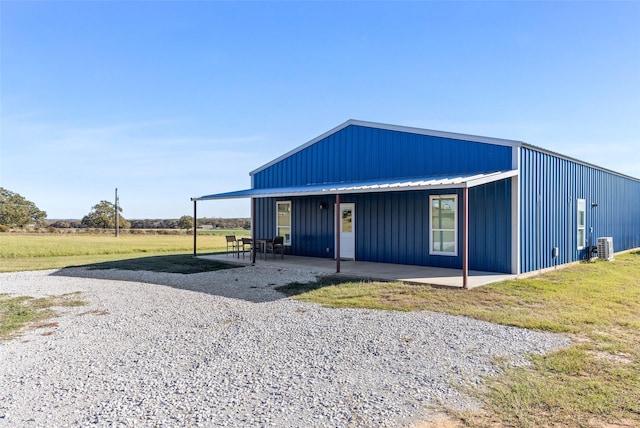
[(357, 153), (550, 186)]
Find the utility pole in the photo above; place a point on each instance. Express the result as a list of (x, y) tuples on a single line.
[(117, 212)]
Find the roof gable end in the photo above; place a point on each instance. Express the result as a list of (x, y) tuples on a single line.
[(406, 129)]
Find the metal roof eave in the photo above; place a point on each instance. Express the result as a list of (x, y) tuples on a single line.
[(427, 183)]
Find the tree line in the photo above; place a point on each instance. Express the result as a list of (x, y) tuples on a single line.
[(184, 222), (17, 211)]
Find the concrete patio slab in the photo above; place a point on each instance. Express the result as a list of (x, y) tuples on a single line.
[(376, 271)]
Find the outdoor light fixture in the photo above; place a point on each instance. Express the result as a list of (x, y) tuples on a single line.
[(323, 205), (593, 205)]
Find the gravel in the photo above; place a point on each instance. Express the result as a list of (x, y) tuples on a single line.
[(225, 349)]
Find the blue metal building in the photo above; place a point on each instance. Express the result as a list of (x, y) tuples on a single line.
[(422, 197)]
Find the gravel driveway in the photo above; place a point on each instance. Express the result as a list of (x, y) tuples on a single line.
[(225, 349)]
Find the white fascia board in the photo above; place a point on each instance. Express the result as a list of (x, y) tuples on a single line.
[(399, 128), (216, 197), (515, 158), (490, 178)]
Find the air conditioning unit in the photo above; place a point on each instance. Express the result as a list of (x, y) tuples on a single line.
[(605, 248)]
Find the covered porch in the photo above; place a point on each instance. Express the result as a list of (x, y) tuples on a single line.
[(424, 272), (413, 274)]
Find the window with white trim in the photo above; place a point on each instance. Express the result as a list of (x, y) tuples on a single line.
[(581, 222), (443, 212), (283, 221)]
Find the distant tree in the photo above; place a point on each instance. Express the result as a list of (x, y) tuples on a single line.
[(137, 224), (61, 224), (169, 224), (16, 211), (185, 222), (102, 216)]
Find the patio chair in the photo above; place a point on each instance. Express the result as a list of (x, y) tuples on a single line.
[(233, 243), (276, 244), (245, 245)]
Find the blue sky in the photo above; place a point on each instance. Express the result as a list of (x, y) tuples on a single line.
[(169, 100)]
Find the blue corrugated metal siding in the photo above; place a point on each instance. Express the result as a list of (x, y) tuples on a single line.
[(550, 186), (394, 227), (265, 220), (490, 227), (383, 227), (311, 228), (363, 153)]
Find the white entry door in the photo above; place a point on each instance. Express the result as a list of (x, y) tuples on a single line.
[(348, 231)]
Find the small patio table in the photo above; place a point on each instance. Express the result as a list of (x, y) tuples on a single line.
[(261, 246), (241, 245)]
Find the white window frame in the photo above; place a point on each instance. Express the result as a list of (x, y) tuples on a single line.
[(455, 225), (581, 206), (287, 243)]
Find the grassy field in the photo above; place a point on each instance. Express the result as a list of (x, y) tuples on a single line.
[(19, 252), (593, 383)]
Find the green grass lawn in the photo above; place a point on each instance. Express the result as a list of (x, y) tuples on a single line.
[(31, 251), (594, 382)]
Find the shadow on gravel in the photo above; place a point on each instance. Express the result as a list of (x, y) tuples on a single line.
[(177, 263), (183, 272)]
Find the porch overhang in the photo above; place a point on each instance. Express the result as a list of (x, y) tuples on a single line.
[(371, 186), (463, 182)]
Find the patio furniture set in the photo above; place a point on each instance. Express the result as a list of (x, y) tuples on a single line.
[(262, 246)]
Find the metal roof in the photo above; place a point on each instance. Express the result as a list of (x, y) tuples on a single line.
[(398, 185)]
